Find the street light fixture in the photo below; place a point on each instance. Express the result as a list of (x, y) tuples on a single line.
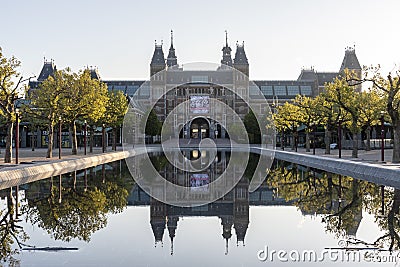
[(382, 136), (17, 136), (59, 137)]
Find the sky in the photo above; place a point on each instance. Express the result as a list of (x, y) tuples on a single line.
[(280, 37)]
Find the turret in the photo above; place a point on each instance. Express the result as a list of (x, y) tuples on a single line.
[(157, 61), (158, 219), (226, 52), (351, 63), (240, 61)]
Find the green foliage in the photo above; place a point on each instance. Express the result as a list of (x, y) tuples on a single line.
[(11, 83), (115, 109), (152, 125), (77, 216), (252, 127)]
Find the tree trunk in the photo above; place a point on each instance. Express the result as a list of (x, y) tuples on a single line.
[(114, 138), (74, 139), (9, 137), (91, 139), (50, 142), (354, 153), (396, 143), (368, 142), (307, 141), (327, 141)]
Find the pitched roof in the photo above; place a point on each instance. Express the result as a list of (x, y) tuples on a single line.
[(48, 69), (307, 74), (158, 56), (350, 60), (240, 55), (326, 77)]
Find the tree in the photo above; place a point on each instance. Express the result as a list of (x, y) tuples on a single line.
[(46, 103), (79, 214), (371, 105), (85, 98), (288, 117), (10, 231), (252, 127), (11, 83), (329, 114), (152, 125), (389, 89), (308, 116), (116, 108), (343, 94)]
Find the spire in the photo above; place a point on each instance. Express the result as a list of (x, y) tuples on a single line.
[(226, 247), (226, 52), (172, 59), (172, 38), (172, 224)]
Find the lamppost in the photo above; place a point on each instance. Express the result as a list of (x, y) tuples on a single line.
[(104, 137), (382, 200), (59, 137), (314, 135), (340, 137), (16, 135), (382, 136), (84, 137)]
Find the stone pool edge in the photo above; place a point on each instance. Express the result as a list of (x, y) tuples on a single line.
[(383, 174), (12, 176)]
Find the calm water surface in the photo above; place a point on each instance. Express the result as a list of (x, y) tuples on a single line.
[(100, 217)]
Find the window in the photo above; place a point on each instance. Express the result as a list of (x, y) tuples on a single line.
[(267, 90), (201, 79), (306, 90), (293, 90), (280, 90)]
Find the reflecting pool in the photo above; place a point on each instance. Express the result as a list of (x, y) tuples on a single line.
[(298, 216)]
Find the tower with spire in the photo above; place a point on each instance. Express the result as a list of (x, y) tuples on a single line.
[(172, 59), (226, 53)]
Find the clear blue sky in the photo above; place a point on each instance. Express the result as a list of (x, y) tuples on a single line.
[(280, 37)]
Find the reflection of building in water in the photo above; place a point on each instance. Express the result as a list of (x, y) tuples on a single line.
[(232, 209)]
